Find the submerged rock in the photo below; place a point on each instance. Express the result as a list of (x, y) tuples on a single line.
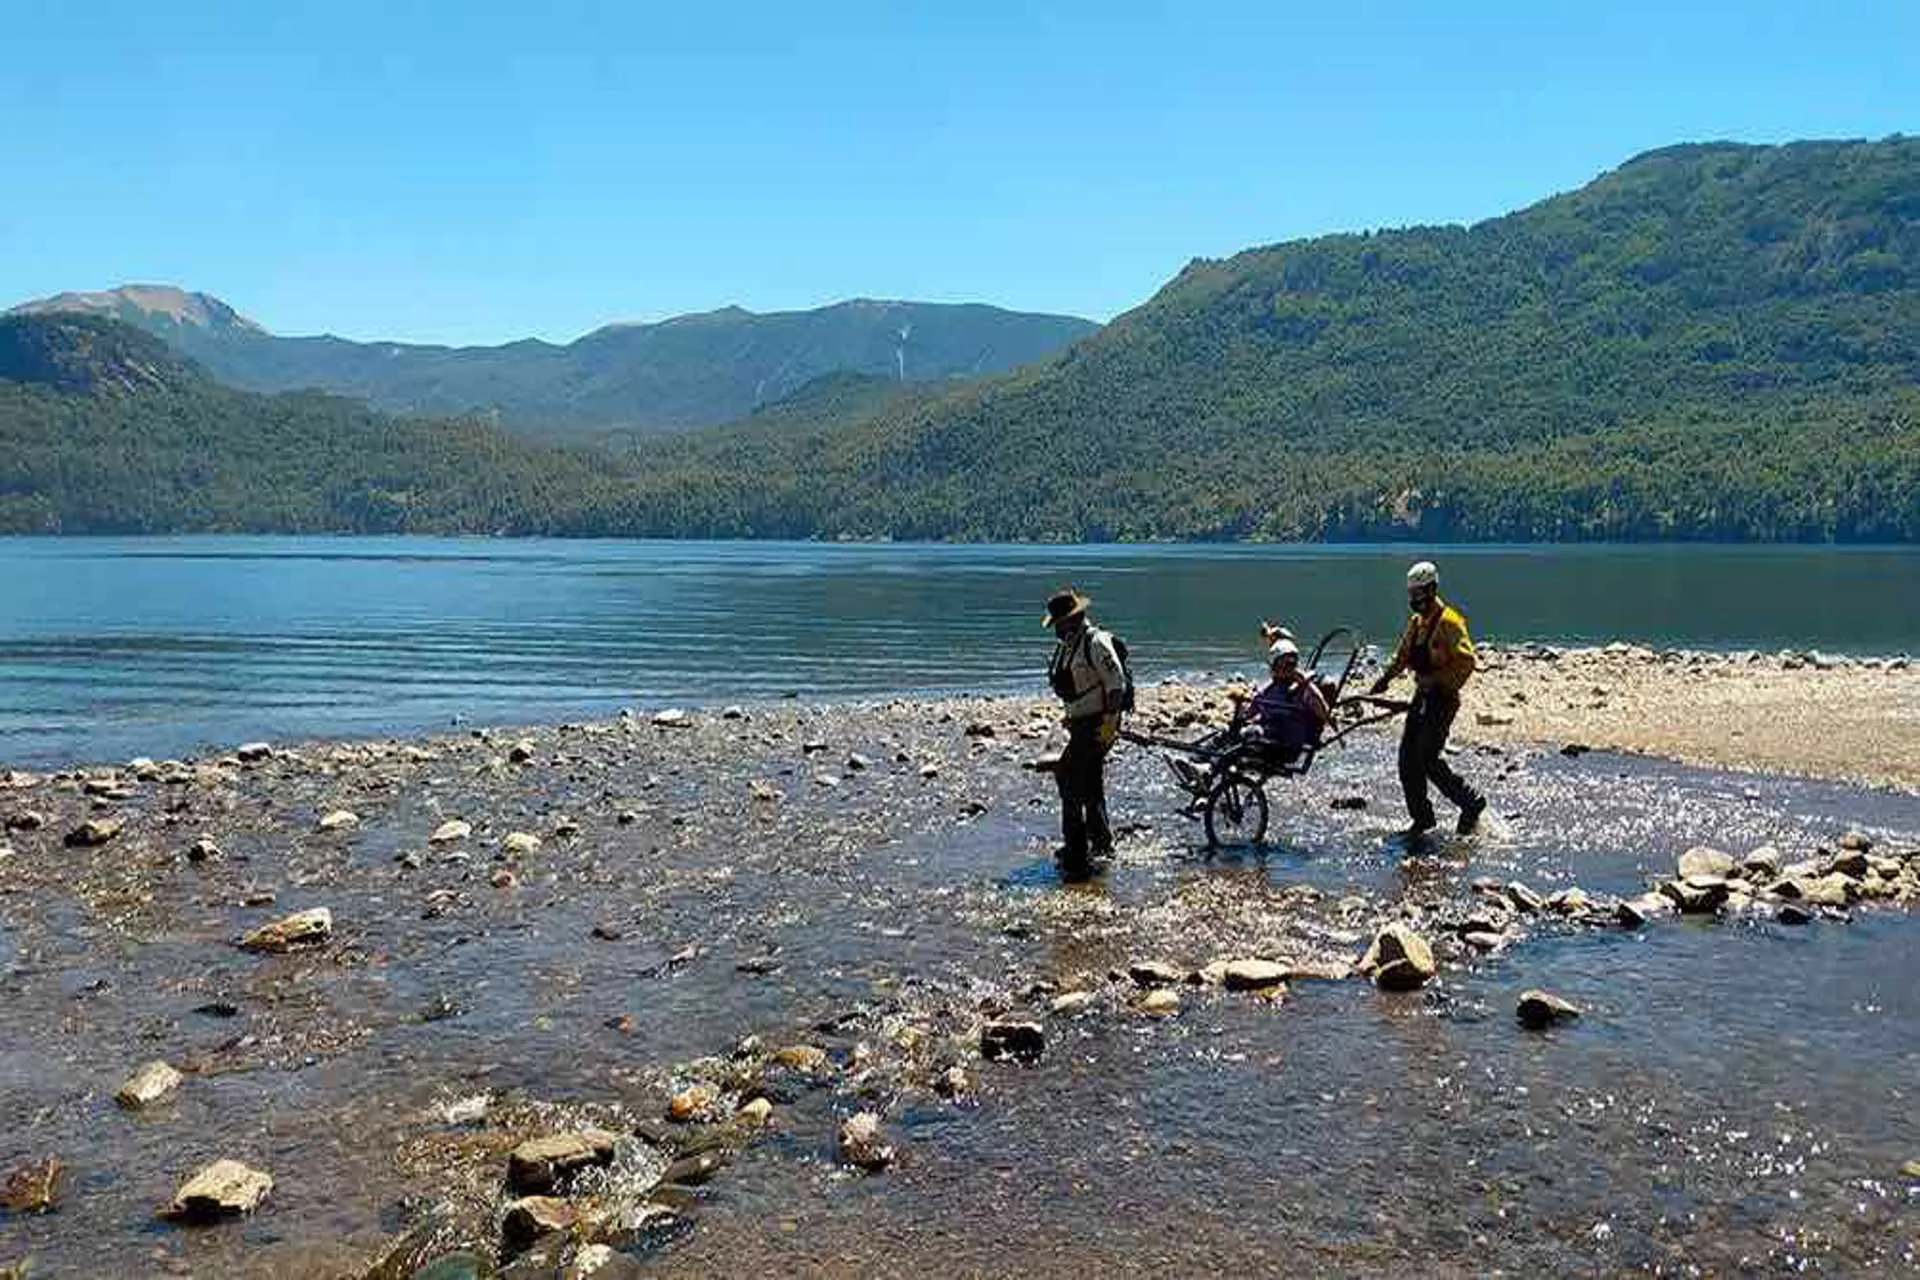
[(34, 1189), (147, 1086), (1539, 1009), (302, 929), (223, 1189), (863, 1144), (539, 1165)]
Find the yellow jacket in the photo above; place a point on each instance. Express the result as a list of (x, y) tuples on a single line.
[(1437, 648)]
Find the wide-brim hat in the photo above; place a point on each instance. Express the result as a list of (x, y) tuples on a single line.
[(1062, 605)]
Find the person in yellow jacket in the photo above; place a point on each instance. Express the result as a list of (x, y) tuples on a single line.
[(1439, 652)]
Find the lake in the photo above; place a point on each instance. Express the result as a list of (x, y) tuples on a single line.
[(160, 646)]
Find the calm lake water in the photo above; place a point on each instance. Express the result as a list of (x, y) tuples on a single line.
[(158, 646)]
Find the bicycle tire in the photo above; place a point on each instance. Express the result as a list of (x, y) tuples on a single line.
[(1236, 812)]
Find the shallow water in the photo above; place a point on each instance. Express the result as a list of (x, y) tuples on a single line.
[(116, 647), (1736, 1093)]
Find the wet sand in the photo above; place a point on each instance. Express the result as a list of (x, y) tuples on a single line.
[(873, 881)]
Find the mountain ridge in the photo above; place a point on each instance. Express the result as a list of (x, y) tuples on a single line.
[(675, 374)]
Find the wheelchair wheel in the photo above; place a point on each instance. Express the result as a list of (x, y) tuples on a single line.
[(1236, 812)]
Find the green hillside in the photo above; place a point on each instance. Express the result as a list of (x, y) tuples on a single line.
[(104, 430), (1713, 341)]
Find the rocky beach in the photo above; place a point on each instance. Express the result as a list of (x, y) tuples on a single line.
[(794, 986)]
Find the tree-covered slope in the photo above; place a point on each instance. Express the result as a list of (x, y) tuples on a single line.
[(1711, 341), (687, 372), (104, 430)]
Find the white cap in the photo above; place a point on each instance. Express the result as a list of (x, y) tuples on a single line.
[(1282, 649), (1424, 574)]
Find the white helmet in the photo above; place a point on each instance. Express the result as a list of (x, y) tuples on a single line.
[(1282, 649), (1424, 574)]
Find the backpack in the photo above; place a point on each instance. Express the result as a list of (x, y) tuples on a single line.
[(1126, 671)]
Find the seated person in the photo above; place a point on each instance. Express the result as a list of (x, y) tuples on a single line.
[(1289, 711)]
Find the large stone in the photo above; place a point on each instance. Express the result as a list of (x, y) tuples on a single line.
[(302, 929), (147, 1086), (1848, 862), (863, 1144), (1523, 897), (1702, 860), (1399, 959), (450, 830), (1569, 901), (1155, 973), (1819, 891), (222, 1189), (531, 1217), (1160, 1002), (1636, 912), (1763, 864), (1539, 1009), (1696, 895), (339, 820), (1024, 1041), (253, 752), (540, 1165), (94, 832), (1252, 975), (1068, 1003)]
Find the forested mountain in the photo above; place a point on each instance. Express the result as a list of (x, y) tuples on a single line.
[(1710, 341), (687, 372), (105, 430)]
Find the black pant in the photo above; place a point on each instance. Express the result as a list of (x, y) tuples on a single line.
[(1081, 776), (1422, 745)]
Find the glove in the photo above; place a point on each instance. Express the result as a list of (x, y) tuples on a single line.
[(1380, 686)]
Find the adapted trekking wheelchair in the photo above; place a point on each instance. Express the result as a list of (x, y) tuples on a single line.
[(1225, 772)]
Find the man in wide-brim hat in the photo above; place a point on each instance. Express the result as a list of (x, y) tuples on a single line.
[(1088, 677)]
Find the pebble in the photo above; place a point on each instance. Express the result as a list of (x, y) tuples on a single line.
[(203, 850), (518, 844), (1160, 1002), (1068, 1003), (339, 820), (147, 1086), (1541, 1009), (450, 830), (756, 1111), (691, 1103), (301, 929)]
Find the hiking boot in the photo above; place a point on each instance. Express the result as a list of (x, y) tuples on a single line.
[(1415, 829), (1470, 815)]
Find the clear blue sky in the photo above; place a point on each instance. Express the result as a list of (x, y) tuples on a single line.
[(473, 171)]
